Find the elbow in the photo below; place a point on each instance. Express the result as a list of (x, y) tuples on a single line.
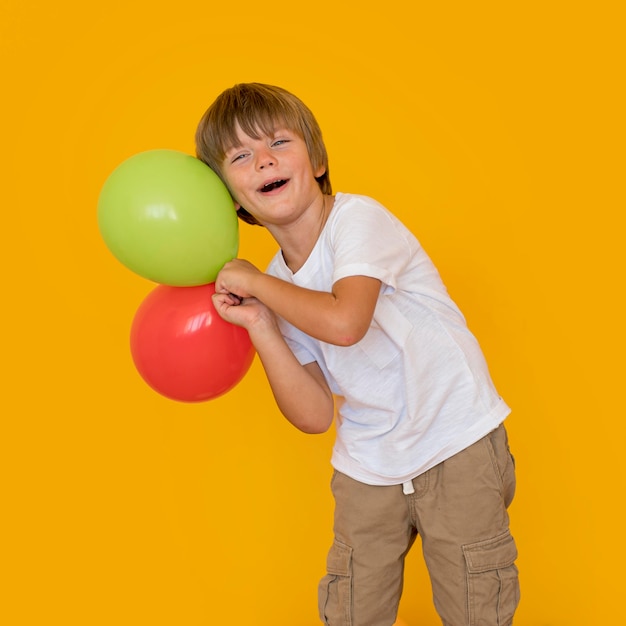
[(348, 331), (313, 429), (350, 336), (345, 341), (314, 425)]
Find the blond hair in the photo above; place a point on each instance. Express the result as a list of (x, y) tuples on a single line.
[(258, 109)]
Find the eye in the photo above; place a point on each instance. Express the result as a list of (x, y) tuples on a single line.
[(238, 157), (279, 142)]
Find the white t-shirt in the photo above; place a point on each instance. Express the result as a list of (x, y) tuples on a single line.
[(416, 389)]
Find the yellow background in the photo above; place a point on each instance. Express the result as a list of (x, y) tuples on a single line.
[(494, 130)]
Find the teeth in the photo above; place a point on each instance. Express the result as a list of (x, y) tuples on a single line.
[(274, 185)]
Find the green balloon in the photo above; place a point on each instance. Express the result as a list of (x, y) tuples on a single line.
[(169, 218)]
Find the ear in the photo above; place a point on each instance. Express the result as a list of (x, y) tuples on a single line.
[(320, 171)]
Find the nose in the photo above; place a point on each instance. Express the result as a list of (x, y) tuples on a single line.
[(265, 159)]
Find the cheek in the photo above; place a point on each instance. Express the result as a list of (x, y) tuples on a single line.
[(232, 184)]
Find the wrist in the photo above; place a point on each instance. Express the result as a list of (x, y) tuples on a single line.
[(264, 328), (254, 284)]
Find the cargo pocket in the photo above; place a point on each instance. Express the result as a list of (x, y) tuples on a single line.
[(335, 589), (492, 581)]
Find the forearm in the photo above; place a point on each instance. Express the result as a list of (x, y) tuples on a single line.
[(323, 315), (340, 316), (301, 392), (302, 397)]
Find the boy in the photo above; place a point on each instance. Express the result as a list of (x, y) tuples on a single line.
[(352, 307)]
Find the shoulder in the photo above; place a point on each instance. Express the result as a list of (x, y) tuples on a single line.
[(350, 201), (357, 214), (352, 207)]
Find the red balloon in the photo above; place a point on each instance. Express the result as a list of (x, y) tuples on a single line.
[(183, 349)]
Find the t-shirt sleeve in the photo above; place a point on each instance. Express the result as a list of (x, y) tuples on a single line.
[(301, 345), (368, 240)]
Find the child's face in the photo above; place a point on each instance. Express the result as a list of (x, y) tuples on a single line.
[(271, 177)]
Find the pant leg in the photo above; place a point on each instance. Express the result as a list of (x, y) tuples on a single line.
[(461, 513), (373, 533)]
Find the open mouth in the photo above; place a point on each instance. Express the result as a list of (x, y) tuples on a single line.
[(275, 184)]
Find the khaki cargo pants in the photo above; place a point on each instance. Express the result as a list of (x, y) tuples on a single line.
[(459, 509)]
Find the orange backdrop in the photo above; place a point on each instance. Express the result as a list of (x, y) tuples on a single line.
[(494, 130)]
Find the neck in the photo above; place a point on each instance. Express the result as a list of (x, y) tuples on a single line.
[(297, 240)]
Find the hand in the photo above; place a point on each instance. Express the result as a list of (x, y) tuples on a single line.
[(249, 313), (235, 278)]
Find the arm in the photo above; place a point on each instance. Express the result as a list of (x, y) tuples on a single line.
[(341, 316), (301, 392)]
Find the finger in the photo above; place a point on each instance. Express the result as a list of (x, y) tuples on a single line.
[(228, 298)]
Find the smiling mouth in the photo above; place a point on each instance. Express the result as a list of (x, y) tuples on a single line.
[(275, 184)]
